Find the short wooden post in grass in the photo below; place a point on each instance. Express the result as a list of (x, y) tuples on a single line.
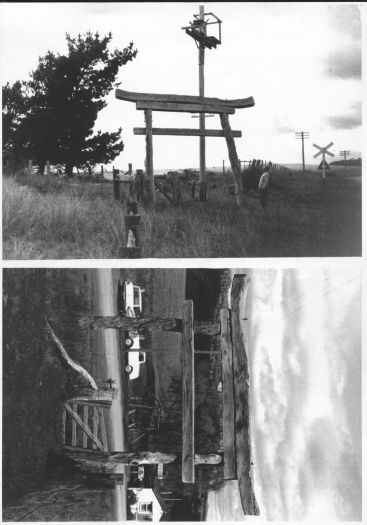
[(48, 168), (176, 188), (132, 221), (29, 169)]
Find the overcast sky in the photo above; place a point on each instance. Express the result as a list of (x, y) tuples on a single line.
[(300, 61), (304, 345)]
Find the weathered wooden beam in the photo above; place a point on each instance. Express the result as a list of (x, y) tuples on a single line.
[(73, 425), (228, 397), (184, 108), (241, 395), (171, 324), (156, 97), (187, 132), (125, 458), (188, 395), (207, 459), (149, 154), (232, 153), (85, 418), (63, 426)]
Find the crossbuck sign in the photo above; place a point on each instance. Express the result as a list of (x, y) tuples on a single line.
[(323, 151)]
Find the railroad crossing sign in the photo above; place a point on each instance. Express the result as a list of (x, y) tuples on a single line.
[(323, 165)]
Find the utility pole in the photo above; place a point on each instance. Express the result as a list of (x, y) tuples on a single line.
[(202, 173), (303, 135), (345, 153), (198, 31)]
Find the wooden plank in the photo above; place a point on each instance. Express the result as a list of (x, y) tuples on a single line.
[(228, 397), (207, 459), (86, 429), (85, 419), (146, 323), (131, 96), (103, 428), (184, 108), (63, 426), (120, 458), (232, 153), (187, 132), (188, 397), (95, 419), (241, 395), (149, 154), (73, 427)]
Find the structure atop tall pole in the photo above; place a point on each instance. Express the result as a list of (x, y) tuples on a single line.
[(198, 31), (345, 154), (202, 172), (303, 135)]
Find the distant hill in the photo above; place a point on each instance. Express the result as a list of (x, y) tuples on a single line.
[(350, 162)]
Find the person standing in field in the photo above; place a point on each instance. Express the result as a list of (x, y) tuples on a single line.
[(263, 188)]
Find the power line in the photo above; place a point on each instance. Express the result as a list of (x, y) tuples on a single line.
[(312, 287), (327, 293)]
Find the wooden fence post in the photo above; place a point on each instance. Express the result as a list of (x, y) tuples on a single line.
[(29, 169), (132, 220), (48, 168), (116, 184)]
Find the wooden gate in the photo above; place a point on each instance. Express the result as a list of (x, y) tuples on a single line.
[(83, 426)]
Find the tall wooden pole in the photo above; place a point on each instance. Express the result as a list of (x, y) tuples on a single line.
[(303, 152), (202, 174), (149, 154)]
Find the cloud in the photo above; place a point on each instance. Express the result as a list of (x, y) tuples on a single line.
[(346, 19), (345, 63), (350, 121), (345, 121)]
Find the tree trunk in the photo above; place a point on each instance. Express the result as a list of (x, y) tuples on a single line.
[(41, 168), (69, 169)]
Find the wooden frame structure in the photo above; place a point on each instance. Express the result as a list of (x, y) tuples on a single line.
[(149, 102), (235, 378)]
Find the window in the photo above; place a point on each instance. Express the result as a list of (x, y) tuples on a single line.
[(146, 508)]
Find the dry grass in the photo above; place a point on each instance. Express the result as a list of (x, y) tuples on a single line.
[(53, 219)]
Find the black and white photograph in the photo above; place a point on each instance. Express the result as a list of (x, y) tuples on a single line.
[(183, 261), (182, 394), (181, 130)]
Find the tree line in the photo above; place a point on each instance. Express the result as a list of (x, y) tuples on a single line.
[(51, 116)]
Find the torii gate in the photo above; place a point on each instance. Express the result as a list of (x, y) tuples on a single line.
[(188, 104)]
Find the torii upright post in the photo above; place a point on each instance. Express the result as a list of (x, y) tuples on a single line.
[(202, 173)]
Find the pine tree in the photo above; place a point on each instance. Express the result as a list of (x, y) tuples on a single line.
[(63, 98)]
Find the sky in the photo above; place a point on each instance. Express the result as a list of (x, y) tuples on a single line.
[(300, 61), (304, 346)]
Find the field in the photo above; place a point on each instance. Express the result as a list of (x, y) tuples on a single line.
[(47, 218)]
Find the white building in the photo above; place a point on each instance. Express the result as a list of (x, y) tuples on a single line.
[(149, 505)]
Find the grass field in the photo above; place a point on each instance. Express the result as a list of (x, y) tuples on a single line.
[(55, 219)]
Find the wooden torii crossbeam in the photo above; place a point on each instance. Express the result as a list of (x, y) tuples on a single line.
[(149, 102)]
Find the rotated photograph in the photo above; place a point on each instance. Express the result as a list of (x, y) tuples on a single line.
[(182, 394), (177, 130)]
